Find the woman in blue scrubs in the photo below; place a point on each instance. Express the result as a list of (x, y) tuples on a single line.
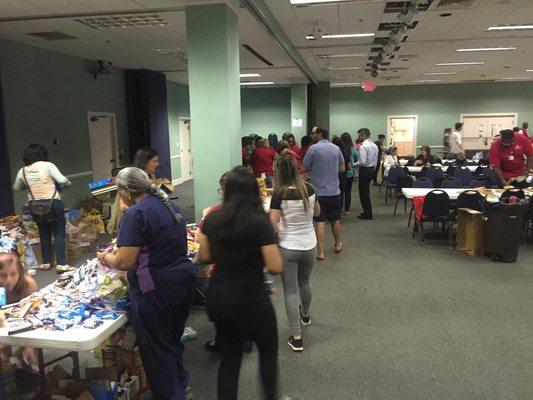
[(152, 248)]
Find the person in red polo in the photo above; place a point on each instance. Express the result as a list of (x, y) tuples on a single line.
[(507, 155)]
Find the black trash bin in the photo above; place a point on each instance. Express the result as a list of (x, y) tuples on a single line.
[(503, 225)]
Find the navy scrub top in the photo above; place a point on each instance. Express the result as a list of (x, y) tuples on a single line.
[(162, 260)]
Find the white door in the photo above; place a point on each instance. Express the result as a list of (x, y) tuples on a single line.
[(402, 133), (102, 137), (478, 130), (185, 149)]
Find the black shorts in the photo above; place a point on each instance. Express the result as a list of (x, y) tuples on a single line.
[(330, 208)]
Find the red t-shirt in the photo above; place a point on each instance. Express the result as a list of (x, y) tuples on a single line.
[(511, 159), (263, 160), (302, 151)]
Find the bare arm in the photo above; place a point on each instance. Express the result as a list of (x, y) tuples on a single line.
[(275, 216), (342, 168), (122, 260), (316, 209), (204, 253), (499, 173), (272, 258)]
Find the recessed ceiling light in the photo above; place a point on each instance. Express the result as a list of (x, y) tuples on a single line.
[(427, 80), (441, 73), (529, 70), (345, 84), (517, 78), (256, 83), (445, 15), (488, 48), (460, 63), (510, 27), (341, 36), (342, 68), (341, 55), (249, 75)]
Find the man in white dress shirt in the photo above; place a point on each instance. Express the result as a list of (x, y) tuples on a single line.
[(456, 142), (368, 159)]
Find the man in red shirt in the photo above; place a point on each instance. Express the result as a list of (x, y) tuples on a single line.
[(525, 125), (262, 161), (507, 155)]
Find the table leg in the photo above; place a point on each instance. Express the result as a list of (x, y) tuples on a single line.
[(76, 363)]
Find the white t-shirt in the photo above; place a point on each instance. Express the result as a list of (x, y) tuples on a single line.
[(296, 231), (42, 176), (456, 143)]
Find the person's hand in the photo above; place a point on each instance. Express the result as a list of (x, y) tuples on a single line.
[(101, 256)]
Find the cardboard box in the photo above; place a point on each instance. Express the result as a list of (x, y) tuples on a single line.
[(101, 373), (131, 359), (470, 231)]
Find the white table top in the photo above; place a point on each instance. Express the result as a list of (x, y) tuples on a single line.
[(472, 168), (409, 193), (74, 339)]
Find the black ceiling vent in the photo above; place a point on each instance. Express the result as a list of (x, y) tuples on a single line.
[(52, 36), (389, 26), (400, 6), (452, 3), (252, 51)]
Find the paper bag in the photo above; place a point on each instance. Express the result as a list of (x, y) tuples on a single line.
[(470, 231)]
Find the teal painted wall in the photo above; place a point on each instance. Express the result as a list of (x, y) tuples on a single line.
[(266, 110), (178, 106), (437, 106), (47, 96)]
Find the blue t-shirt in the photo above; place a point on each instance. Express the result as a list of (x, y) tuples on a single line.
[(162, 259), (323, 160)]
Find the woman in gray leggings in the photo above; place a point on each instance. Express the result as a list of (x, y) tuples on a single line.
[(291, 211)]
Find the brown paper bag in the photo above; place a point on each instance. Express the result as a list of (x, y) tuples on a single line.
[(470, 231)]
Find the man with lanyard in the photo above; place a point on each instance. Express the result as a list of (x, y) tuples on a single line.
[(368, 159), (507, 155), (323, 162)]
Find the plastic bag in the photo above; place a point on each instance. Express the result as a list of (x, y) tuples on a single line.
[(418, 205), (94, 218)]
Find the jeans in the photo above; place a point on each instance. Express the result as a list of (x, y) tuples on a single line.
[(346, 198), (296, 278), (238, 315), (58, 230)]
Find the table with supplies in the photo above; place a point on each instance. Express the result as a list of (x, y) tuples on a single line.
[(411, 193)]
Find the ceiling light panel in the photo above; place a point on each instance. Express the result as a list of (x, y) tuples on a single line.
[(300, 2), (487, 49), (460, 63), (440, 73), (342, 68), (117, 22), (516, 78), (249, 75), (510, 27), (346, 84), (341, 55), (342, 36), (256, 83), (427, 80)]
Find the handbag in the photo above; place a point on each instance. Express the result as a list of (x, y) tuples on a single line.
[(41, 210)]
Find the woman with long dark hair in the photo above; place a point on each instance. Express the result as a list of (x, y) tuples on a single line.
[(425, 157), (350, 172), (152, 248), (42, 178), (292, 208), (240, 240)]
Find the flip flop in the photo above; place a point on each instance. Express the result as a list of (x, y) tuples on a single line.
[(64, 268), (44, 267), (338, 248), (320, 258)]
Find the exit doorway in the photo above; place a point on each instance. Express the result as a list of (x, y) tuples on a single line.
[(401, 130), (103, 143), (187, 170)]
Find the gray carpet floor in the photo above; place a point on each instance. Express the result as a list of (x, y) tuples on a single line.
[(392, 320)]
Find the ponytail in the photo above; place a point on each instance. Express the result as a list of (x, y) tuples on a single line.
[(162, 196)]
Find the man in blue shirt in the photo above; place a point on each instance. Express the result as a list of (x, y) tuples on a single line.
[(324, 162), (368, 159)]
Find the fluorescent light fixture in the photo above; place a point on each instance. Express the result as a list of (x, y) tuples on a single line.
[(516, 78), (256, 83), (341, 36), (510, 27), (441, 73), (488, 49), (341, 55), (342, 68), (249, 75), (529, 70), (298, 2), (427, 80), (460, 63), (345, 84)]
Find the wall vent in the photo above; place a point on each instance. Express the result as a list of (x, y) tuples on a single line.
[(52, 36)]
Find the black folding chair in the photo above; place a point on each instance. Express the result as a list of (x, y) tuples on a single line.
[(493, 178), (464, 175), (519, 193), (420, 183), (480, 181), (403, 181), (436, 209), (478, 171), (394, 173), (434, 172), (451, 183), (450, 170), (471, 199)]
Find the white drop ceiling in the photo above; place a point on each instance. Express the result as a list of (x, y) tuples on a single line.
[(434, 40)]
